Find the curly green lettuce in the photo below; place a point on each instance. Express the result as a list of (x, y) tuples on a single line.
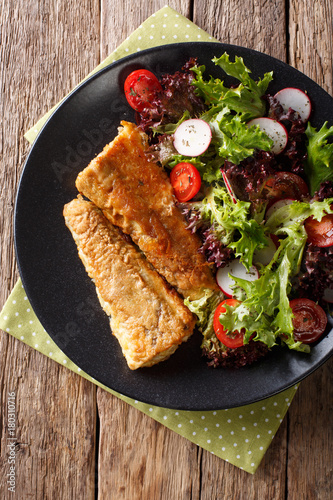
[(244, 100), (204, 308), (264, 311), (230, 109), (233, 223), (319, 163)]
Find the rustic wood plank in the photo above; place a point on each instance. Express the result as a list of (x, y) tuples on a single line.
[(310, 46), (55, 428), (255, 24), (310, 461), (141, 459), (119, 20)]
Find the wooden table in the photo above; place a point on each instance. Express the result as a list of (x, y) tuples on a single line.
[(75, 440)]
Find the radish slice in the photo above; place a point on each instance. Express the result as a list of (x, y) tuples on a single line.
[(295, 99), (265, 255), (228, 186), (328, 295), (278, 204), (275, 130), (237, 269), (192, 137)]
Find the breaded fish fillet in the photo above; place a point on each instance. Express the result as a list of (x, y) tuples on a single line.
[(136, 195), (147, 316)]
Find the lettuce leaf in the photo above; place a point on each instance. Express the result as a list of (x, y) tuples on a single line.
[(296, 214), (232, 223), (264, 310), (319, 163), (244, 99), (204, 309), (234, 140), (231, 108)]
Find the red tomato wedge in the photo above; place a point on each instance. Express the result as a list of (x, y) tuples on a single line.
[(140, 88), (232, 340), (320, 233), (309, 320), (185, 180), (286, 185)]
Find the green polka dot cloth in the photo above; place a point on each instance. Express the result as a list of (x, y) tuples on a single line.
[(240, 435)]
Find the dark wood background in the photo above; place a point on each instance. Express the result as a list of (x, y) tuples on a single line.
[(77, 441)]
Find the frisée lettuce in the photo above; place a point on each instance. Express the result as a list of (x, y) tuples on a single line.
[(264, 310), (319, 162), (244, 100), (232, 224)]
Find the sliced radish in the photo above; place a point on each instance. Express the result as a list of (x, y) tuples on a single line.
[(295, 99), (237, 269), (275, 130), (278, 204), (228, 186), (265, 255), (192, 137), (328, 295)]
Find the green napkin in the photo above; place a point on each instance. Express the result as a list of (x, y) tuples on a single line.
[(241, 435)]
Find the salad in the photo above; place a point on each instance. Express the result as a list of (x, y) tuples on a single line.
[(254, 180)]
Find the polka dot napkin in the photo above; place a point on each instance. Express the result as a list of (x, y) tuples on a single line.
[(240, 435)]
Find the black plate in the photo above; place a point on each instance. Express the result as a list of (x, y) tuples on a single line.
[(55, 281)]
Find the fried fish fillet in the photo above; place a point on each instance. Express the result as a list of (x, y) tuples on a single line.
[(147, 316), (135, 194)]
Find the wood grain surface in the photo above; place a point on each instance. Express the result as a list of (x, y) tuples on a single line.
[(79, 442)]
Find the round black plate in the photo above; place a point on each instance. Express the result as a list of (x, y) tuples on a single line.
[(55, 281)]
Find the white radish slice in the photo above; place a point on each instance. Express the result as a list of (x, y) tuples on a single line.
[(237, 269), (192, 137), (265, 255), (228, 186), (278, 204), (295, 99), (275, 130), (328, 295)]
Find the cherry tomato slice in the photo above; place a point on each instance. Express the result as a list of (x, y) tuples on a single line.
[(309, 320), (320, 233), (233, 340), (286, 185), (140, 88), (185, 180)]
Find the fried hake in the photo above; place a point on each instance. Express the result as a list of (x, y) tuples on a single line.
[(147, 316), (135, 194)]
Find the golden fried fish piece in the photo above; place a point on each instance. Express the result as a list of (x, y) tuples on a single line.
[(135, 194), (147, 316)]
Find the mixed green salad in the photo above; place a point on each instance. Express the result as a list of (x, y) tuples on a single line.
[(254, 179)]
